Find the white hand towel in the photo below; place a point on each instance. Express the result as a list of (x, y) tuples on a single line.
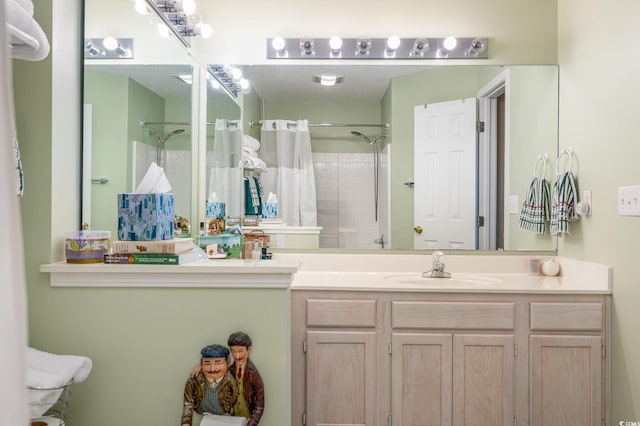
[(27, 39), (215, 420), (251, 142)]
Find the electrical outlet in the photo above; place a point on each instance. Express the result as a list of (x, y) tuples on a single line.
[(629, 200), (514, 206)]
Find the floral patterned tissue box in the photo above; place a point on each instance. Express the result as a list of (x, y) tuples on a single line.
[(145, 217)]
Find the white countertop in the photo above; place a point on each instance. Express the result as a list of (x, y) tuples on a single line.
[(352, 272), (234, 273), (470, 274)]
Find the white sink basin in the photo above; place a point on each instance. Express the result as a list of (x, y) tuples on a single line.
[(456, 280)]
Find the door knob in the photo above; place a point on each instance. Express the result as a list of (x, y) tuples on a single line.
[(417, 229)]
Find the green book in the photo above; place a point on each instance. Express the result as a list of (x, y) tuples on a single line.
[(152, 258)]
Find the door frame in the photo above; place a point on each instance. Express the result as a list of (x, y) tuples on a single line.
[(487, 160)]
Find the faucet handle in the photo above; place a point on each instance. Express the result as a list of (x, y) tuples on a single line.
[(437, 256)]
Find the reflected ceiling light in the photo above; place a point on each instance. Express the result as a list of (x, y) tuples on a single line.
[(327, 79), (363, 46), (393, 43), (307, 47), (478, 45), (420, 45), (335, 44)]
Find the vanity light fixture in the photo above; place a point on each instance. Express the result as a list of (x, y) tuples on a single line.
[(363, 46), (447, 46), (279, 46), (222, 74), (393, 43), (478, 45), (393, 47), (335, 44), (179, 18), (420, 45), (112, 48), (307, 47)]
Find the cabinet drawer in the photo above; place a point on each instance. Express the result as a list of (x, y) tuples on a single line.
[(566, 316), (467, 315), (341, 313)]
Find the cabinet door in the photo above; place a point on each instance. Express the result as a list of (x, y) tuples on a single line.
[(483, 379), (421, 379), (566, 381), (341, 374)]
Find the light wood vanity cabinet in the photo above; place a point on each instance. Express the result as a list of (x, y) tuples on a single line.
[(408, 359)]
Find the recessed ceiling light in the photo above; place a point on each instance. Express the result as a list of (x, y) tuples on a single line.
[(328, 79)]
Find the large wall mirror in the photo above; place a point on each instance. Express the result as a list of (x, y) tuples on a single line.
[(369, 180)]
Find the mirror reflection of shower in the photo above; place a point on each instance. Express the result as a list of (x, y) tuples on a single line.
[(161, 142), (374, 144)]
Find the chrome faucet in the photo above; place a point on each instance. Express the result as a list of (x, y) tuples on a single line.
[(437, 268)]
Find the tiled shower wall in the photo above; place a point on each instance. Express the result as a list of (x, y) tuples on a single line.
[(345, 198)]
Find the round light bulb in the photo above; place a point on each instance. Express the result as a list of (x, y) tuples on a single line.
[(335, 43), (236, 74), (215, 84), (110, 43), (188, 6), (450, 43), (278, 43), (141, 7), (163, 30), (244, 84), (205, 30), (393, 42)]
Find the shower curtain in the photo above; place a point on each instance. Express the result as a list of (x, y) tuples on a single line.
[(13, 316), (226, 169), (286, 149)]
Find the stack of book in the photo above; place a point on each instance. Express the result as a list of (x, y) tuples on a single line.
[(175, 251)]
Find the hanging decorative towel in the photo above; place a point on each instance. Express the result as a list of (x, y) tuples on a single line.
[(565, 198), (252, 196), (535, 209)]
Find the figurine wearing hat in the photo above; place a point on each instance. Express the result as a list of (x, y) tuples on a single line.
[(213, 390)]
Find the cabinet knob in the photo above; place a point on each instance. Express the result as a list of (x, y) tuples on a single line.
[(417, 229)]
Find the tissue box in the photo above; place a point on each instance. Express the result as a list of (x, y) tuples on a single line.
[(230, 243), (145, 217), (215, 210), (87, 246)]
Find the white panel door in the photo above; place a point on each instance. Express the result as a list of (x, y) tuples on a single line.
[(445, 174)]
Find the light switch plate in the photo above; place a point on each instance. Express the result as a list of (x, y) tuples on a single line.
[(629, 200)]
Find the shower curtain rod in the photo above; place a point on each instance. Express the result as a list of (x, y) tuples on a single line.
[(145, 123), (253, 124)]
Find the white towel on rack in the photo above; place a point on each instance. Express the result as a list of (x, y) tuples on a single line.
[(47, 370), (565, 197), (251, 142), (27, 40)]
